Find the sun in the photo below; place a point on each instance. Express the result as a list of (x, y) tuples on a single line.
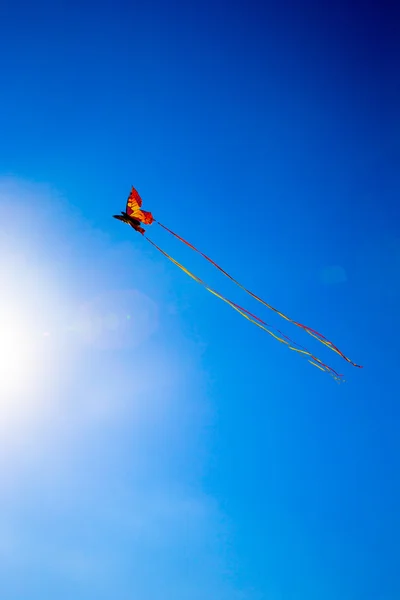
[(17, 355)]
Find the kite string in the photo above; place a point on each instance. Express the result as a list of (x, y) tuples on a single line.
[(309, 330), (253, 318)]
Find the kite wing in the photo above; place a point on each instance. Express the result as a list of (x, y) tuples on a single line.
[(133, 208), (134, 197)]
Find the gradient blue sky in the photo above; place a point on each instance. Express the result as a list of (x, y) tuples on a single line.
[(181, 453)]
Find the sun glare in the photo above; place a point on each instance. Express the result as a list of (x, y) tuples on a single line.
[(26, 358), (16, 353), (28, 355)]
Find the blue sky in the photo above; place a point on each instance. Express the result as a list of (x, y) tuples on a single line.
[(154, 445)]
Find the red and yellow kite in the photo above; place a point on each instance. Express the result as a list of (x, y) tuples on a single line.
[(135, 217)]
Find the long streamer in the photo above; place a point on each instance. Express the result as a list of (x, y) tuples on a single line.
[(316, 362), (315, 334)]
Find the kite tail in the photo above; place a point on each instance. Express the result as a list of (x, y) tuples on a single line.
[(318, 336), (316, 362)]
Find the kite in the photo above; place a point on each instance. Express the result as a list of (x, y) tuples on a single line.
[(136, 217)]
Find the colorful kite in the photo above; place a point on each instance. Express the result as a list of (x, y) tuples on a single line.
[(135, 217)]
